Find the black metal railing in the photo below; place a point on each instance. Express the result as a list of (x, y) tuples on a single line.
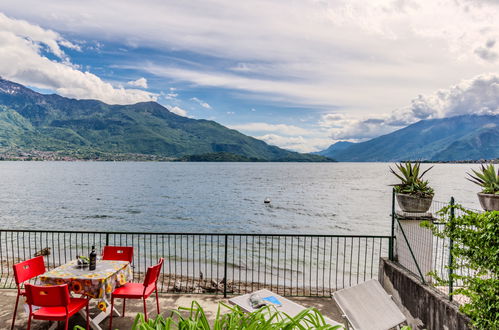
[(291, 265)]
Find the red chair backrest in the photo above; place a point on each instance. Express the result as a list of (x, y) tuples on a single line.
[(123, 253), (153, 273), (47, 296), (28, 269)]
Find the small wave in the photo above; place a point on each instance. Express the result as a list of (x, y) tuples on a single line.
[(182, 218), (99, 216)]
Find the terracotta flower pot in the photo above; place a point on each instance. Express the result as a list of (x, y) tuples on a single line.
[(489, 202), (414, 204)]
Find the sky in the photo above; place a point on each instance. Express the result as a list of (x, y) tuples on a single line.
[(297, 74)]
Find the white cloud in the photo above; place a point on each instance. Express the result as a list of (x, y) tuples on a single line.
[(171, 95), (37, 35), (141, 82), (296, 143), (201, 103), (479, 96), (287, 136), (364, 56), (274, 128), (343, 127), (25, 41), (177, 110)]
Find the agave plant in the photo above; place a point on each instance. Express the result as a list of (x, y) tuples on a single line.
[(487, 178), (411, 180)]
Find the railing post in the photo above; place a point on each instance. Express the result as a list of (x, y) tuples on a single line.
[(225, 266), (107, 239), (390, 242), (451, 243)]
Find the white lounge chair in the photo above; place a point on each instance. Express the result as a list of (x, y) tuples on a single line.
[(367, 306), (289, 307)]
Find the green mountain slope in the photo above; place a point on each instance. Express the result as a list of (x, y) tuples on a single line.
[(482, 144), (468, 137), (335, 147), (55, 123)]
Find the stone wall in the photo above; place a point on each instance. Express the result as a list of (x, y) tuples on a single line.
[(424, 306)]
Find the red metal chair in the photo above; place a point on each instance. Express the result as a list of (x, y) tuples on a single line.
[(139, 290), (23, 272), (123, 253), (54, 302)]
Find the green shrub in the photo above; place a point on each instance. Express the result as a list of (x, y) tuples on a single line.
[(476, 247), (267, 317)]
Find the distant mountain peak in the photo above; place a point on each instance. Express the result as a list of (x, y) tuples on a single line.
[(340, 145), (465, 137), (34, 121), (9, 87)]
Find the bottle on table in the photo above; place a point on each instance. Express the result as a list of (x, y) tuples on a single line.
[(93, 259)]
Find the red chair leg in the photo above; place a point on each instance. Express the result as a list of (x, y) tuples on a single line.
[(88, 317), (15, 312), (111, 314), (157, 300), (124, 304), (29, 322), (66, 323), (145, 308)]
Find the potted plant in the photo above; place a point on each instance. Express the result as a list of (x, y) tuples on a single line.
[(488, 179), (413, 193)]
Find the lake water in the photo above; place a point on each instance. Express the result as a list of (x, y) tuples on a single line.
[(306, 198)]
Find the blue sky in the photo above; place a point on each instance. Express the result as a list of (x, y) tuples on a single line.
[(297, 74)]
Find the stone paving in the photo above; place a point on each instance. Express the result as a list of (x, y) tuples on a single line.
[(167, 302)]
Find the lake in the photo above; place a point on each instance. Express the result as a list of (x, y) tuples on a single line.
[(306, 198)]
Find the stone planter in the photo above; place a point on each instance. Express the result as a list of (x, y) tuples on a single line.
[(489, 202), (414, 204)]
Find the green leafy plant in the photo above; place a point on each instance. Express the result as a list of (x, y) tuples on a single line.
[(411, 180), (267, 317), (476, 249), (487, 178)]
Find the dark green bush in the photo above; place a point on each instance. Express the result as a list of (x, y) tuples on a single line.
[(476, 247)]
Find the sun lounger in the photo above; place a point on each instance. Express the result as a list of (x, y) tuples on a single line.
[(289, 307), (367, 306)]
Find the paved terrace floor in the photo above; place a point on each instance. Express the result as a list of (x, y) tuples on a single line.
[(167, 302)]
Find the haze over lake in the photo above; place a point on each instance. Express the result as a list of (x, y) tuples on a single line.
[(306, 198)]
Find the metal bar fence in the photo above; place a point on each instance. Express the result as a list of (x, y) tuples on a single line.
[(441, 257), (291, 265)]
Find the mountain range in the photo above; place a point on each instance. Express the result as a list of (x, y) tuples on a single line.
[(34, 121), (459, 138)]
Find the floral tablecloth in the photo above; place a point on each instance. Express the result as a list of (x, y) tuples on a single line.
[(98, 283)]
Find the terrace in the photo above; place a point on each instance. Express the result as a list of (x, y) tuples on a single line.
[(211, 268), (167, 302)]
